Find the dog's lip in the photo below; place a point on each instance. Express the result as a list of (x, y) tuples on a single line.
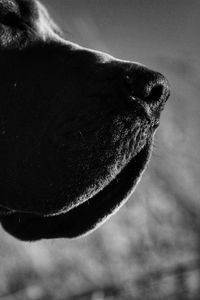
[(85, 217)]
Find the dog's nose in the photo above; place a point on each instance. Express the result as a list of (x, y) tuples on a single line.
[(147, 85)]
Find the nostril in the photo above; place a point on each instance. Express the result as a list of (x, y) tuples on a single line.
[(147, 85), (156, 93)]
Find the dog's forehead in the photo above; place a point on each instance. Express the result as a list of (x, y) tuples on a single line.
[(45, 24)]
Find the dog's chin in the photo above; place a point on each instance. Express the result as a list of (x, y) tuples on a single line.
[(85, 217)]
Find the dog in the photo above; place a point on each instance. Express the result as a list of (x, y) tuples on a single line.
[(76, 127)]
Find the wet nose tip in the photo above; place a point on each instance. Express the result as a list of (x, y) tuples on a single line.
[(150, 86)]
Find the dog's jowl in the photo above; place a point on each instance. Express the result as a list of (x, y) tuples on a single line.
[(76, 127)]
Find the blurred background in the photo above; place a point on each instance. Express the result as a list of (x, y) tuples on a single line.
[(151, 248)]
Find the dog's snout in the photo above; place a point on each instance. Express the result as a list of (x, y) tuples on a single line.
[(147, 85)]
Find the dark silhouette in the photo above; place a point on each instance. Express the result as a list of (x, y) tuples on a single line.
[(76, 127)]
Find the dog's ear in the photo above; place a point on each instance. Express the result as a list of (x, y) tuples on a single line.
[(9, 13), (24, 21), (10, 23)]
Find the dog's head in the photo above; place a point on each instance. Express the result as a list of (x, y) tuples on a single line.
[(76, 127)]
